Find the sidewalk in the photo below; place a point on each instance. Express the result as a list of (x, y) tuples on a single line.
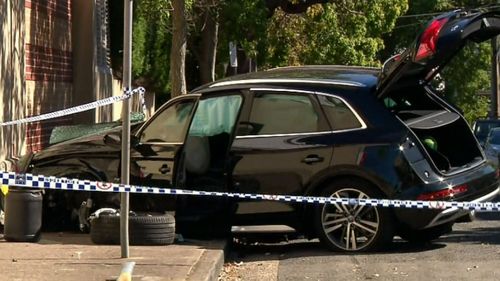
[(69, 256)]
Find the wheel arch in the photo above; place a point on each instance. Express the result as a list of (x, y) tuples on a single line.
[(70, 167), (347, 172), (336, 174)]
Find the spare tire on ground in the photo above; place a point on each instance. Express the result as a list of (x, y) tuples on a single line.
[(144, 229)]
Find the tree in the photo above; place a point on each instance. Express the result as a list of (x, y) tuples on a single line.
[(207, 25), (468, 74), (178, 51), (192, 36), (338, 32)]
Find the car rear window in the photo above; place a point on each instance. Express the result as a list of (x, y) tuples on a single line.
[(338, 113), (283, 114)]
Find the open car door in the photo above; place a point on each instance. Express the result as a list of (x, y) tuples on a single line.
[(442, 38)]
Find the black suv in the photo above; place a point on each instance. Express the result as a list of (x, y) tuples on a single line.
[(314, 130)]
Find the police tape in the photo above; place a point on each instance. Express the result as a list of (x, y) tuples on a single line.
[(55, 183), (80, 108)]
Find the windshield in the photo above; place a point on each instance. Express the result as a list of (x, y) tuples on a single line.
[(483, 128), (494, 137)]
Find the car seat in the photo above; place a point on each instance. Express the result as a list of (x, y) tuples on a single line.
[(197, 155)]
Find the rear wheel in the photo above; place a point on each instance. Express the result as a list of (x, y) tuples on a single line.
[(353, 228)]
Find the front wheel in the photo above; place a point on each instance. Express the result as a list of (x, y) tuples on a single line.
[(353, 228)]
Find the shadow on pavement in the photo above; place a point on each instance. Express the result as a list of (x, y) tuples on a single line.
[(62, 238), (488, 216), (476, 235), (309, 248)]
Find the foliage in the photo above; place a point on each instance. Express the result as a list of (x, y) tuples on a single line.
[(468, 74), (348, 33), (151, 44), (336, 32)]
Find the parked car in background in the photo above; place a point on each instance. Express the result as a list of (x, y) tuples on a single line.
[(492, 145), (346, 132), (482, 127)]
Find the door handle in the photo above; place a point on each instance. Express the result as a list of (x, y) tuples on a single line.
[(164, 169), (311, 159)]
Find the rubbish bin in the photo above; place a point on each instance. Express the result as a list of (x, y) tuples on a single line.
[(23, 215)]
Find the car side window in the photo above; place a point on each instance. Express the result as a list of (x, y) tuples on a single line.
[(171, 124), (282, 114), (338, 113), (215, 115)]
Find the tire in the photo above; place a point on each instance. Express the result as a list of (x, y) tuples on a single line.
[(143, 229), (373, 227), (423, 236)]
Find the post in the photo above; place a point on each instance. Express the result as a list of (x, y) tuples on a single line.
[(233, 57), (125, 156)]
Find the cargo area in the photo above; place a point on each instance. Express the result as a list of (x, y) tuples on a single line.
[(443, 133)]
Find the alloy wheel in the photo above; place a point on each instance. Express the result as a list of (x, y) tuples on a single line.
[(350, 228)]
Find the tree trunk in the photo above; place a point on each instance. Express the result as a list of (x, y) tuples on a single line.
[(178, 51), (209, 39)]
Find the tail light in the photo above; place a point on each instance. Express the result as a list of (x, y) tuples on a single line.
[(444, 193), (429, 38)]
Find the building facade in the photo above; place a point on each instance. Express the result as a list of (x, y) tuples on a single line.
[(53, 55)]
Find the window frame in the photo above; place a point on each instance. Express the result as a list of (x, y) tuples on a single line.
[(194, 97), (349, 107), (224, 93), (284, 91), (316, 104)]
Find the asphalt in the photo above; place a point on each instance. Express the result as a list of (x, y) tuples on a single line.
[(70, 256)]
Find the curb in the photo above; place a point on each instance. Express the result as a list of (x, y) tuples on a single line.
[(209, 266)]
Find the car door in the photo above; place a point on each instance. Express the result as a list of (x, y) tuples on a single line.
[(277, 150), (204, 164), (160, 141)]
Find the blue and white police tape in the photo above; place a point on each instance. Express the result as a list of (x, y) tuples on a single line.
[(80, 108), (50, 182)]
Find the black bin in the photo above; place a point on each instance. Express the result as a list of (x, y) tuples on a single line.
[(23, 215)]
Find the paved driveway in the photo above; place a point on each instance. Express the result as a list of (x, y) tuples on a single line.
[(470, 252)]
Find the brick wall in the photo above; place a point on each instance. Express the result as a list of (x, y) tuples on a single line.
[(12, 99), (48, 65)]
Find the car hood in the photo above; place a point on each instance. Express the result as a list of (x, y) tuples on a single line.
[(106, 142), (436, 45)]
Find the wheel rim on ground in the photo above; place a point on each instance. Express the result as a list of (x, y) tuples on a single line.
[(350, 228)]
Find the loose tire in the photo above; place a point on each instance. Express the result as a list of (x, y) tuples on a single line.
[(353, 228), (422, 236), (143, 229)]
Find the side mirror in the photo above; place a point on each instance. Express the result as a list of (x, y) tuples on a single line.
[(134, 140)]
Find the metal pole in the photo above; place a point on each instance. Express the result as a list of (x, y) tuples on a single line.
[(233, 57), (125, 157)]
